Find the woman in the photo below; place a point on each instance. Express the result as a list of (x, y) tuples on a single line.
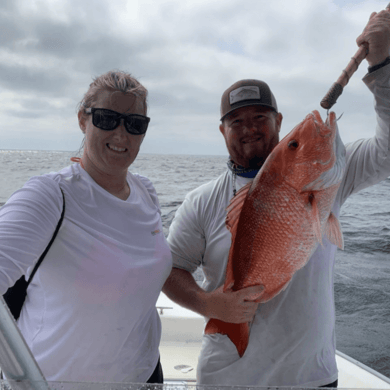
[(90, 309)]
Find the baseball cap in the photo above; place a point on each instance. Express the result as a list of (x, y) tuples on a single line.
[(245, 93)]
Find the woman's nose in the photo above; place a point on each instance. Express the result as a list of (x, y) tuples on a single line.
[(121, 131)]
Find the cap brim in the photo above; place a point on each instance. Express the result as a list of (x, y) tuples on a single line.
[(247, 103)]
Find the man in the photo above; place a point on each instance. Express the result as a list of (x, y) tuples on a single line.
[(292, 339)]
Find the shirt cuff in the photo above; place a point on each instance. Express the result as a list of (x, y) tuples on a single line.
[(378, 66)]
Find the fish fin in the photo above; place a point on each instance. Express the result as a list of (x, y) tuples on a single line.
[(233, 215), (267, 297), (333, 231), (235, 207), (237, 333), (315, 217)]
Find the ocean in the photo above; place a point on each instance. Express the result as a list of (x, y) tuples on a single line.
[(362, 280)]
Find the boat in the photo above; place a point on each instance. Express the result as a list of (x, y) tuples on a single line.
[(179, 350), (181, 343)]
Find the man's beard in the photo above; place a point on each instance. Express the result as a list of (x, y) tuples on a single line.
[(256, 162)]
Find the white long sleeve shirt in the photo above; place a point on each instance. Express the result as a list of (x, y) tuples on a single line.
[(292, 339), (90, 310)]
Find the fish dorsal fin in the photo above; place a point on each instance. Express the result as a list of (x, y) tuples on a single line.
[(235, 207), (315, 217), (233, 215), (333, 231)]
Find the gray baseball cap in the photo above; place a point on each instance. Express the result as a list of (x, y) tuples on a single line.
[(245, 93)]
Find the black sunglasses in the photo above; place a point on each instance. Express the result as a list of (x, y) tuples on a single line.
[(109, 120)]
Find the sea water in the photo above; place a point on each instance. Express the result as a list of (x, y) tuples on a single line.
[(362, 279)]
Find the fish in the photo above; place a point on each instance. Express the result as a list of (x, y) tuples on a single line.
[(278, 220)]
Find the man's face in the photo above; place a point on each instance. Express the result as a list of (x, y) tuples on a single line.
[(250, 134)]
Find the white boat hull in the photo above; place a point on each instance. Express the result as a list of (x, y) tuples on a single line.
[(182, 338), (179, 350)]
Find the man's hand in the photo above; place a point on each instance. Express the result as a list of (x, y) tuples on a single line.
[(235, 307), (377, 35)]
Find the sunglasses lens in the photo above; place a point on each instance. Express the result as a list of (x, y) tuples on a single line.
[(136, 125), (109, 120), (105, 120)]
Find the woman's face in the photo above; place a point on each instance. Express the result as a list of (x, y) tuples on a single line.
[(111, 152)]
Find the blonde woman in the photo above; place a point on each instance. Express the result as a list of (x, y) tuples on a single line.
[(90, 309)]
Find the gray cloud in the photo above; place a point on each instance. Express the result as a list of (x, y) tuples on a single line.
[(25, 114), (39, 108), (185, 53), (22, 78), (10, 32)]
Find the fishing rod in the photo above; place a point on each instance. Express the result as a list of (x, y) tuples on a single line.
[(337, 88)]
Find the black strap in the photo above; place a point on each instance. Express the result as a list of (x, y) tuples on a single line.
[(51, 241)]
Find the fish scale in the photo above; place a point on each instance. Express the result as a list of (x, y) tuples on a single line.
[(278, 220), (266, 239)]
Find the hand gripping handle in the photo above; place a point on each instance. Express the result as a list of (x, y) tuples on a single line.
[(337, 88)]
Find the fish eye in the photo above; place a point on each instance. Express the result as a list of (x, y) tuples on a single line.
[(293, 145)]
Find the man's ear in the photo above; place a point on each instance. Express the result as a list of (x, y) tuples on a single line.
[(222, 129)]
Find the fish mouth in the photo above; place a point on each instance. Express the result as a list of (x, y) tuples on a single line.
[(335, 174)]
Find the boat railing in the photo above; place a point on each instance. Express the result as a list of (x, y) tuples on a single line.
[(169, 385)]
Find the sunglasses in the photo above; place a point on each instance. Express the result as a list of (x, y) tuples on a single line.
[(109, 120)]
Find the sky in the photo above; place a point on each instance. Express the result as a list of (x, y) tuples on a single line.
[(186, 53)]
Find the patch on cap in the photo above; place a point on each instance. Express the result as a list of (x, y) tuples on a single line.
[(244, 93)]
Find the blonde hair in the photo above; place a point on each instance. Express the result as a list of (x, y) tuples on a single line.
[(115, 81)]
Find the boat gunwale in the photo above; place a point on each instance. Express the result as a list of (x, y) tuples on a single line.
[(363, 366)]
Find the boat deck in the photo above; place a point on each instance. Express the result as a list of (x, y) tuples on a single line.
[(181, 344)]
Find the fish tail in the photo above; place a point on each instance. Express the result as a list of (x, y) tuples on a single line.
[(237, 333)]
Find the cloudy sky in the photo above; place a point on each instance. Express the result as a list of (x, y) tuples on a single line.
[(186, 53)]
